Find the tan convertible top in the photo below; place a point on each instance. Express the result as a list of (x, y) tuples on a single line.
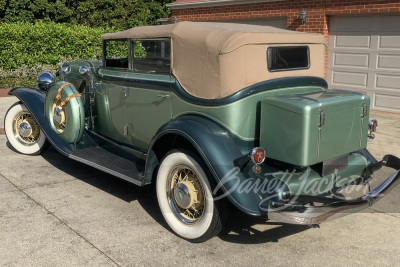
[(215, 60)]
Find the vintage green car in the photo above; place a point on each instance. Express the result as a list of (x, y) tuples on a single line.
[(216, 115)]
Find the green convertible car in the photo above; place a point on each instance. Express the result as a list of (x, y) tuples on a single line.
[(216, 115)]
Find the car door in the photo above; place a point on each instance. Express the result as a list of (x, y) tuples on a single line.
[(110, 92), (149, 98)]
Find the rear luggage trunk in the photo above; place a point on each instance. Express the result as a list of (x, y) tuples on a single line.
[(305, 129)]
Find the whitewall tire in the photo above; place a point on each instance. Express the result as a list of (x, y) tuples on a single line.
[(185, 197), (23, 132)]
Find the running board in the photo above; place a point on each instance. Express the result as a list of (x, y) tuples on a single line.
[(108, 162)]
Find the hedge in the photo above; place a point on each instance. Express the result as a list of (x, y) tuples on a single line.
[(26, 49), (45, 43)]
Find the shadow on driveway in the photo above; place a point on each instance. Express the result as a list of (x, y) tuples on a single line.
[(239, 228)]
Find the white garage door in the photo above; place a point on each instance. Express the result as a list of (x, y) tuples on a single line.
[(364, 56)]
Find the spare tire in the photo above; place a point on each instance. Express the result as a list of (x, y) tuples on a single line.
[(65, 112)]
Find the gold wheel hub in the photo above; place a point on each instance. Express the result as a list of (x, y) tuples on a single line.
[(26, 129), (187, 194), (59, 118)]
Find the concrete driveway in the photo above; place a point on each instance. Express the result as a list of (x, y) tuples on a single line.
[(57, 212)]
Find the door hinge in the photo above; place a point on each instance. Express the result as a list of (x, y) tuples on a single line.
[(126, 128)]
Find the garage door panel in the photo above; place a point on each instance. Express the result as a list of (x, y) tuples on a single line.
[(353, 42), (364, 56), (389, 42), (387, 101), (384, 81), (357, 24), (350, 78), (388, 62), (351, 60), (384, 22)]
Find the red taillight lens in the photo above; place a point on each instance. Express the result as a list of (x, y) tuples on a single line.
[(373, 125), (257, 155)]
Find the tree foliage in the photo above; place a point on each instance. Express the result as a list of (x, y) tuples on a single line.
[(122, 14)]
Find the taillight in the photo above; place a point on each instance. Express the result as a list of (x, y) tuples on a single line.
[(373, 125), (257, 155)]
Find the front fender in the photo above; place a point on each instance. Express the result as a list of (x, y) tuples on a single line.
[(219, 153), (34, 100)]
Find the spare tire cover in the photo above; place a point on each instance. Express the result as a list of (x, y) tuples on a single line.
[(68, 121)]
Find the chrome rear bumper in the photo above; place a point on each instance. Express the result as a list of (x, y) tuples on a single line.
[(333, 208)]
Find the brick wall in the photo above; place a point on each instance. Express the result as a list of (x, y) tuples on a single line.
[(318, 12)]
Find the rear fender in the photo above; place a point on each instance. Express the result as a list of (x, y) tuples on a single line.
[(218, 151)]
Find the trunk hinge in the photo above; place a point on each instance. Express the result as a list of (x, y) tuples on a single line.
[(321, 118), (320, 124), (364, 113), (364, 110)]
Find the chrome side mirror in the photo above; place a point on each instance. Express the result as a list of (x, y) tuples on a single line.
[(45, 80)]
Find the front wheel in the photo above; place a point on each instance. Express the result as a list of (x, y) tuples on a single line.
[(185, 197), (23, 132)]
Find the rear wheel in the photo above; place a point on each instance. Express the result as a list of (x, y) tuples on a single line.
[(23, 131), (185, 197)]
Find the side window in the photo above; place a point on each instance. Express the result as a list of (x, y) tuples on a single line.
[(281, 58), (116, 54), (151, 56)]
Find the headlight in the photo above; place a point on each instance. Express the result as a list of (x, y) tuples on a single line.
[(45, 80)]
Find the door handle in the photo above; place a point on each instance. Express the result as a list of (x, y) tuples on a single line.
[(164, 96), (125, 93)]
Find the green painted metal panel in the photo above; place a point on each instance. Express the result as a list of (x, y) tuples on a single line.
[(110, 106), (241, 117), (147, 111), (304, 129)]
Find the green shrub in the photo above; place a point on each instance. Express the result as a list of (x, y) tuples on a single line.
[(27, 49), (24, 76), (45, 43)]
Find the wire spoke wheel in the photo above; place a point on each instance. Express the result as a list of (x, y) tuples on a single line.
[(26, 129), (23, 131), (186, 195)]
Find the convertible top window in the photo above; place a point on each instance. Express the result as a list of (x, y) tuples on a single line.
[(152, 56), (116, 54), (282, 58)]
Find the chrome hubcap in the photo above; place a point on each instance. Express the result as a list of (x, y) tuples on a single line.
[(59, 116), (25, 129), (182, 195)]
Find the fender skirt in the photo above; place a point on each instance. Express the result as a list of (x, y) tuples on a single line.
[(219, 153)]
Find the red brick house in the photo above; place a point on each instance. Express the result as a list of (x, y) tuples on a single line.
[(363, 36)]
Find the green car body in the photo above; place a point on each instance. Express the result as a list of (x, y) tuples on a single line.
[(139, 116)]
